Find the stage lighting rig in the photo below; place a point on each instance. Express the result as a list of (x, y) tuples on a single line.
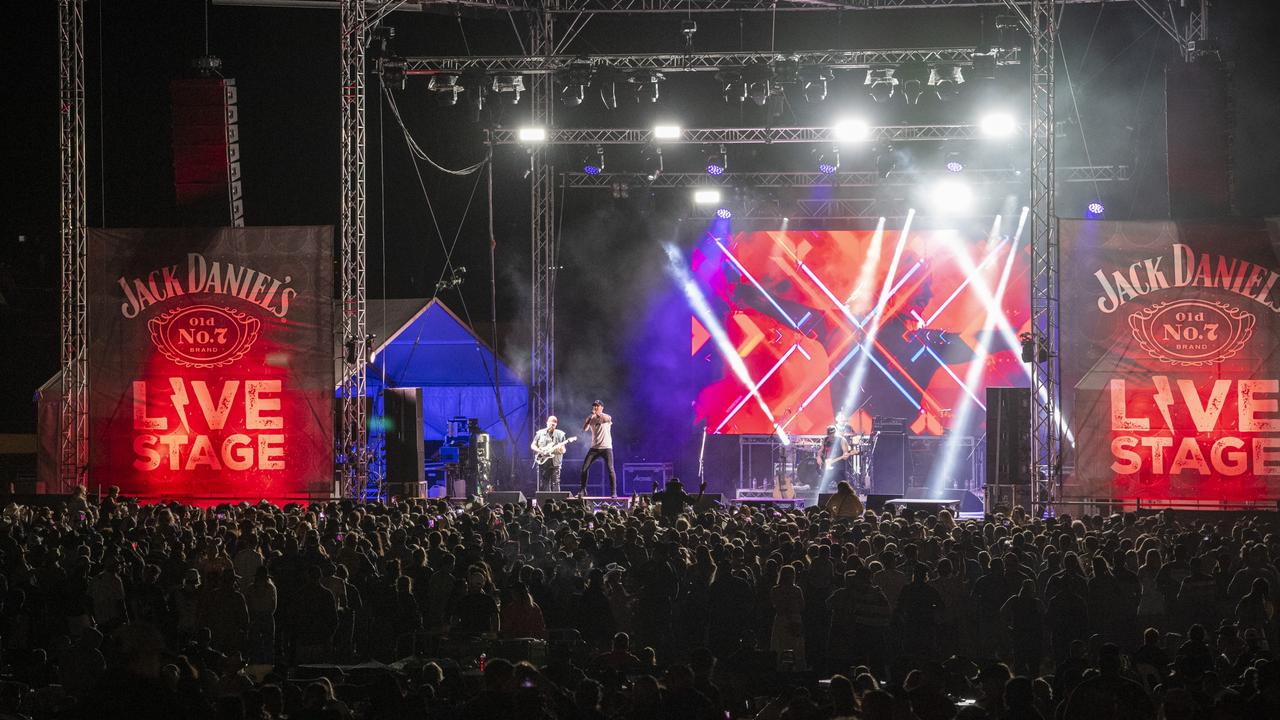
[(575, 82), (1095, 210), (946, 81), (913, 84), (813, 80), (532, 134), (666, 132), (850, 130), (706, 196), (997, 124), (954, 162), (759, 79), (646, 82), (881, 84), (717, 162), (508, 86), (475, 84), (734, 87), (593, 163), (651, 162), (446, 88), (828, 160)]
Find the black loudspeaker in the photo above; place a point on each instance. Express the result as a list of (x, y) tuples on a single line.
[(876, 502), (889, 463), (504, 497), (1008, 436), (402, 408), (822, 499), (543, 496), (1197, 139), (969, 503)]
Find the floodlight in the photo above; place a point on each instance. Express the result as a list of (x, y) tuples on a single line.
[(951, 196), (1095, 210), (850, 130), (881, 84), (946, 81), (997, 124), (666, 132), (717, 162), (532, 134), (706, 196)]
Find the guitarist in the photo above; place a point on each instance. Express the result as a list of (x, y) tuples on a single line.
[(834, 458), (544, 441)]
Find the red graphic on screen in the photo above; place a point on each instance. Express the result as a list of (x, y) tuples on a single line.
[(204, 335), (804, 310)]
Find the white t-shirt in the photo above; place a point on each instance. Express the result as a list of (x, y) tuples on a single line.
[(601, 427)]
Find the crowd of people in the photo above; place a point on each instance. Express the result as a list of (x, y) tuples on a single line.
[(421, 609)]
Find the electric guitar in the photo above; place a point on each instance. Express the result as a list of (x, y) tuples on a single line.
[(544, 455), (832, 462)]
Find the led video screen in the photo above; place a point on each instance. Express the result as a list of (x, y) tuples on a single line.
[(800, 328)]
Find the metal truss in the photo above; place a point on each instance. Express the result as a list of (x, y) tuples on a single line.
[(862, 178), (631, 7), (1190, 33), (735, 136), (73, 425), (542, 230), (354, 323), (704, 62)]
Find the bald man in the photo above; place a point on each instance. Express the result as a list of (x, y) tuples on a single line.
[(543, 440)]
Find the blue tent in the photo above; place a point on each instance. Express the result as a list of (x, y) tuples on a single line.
[(420, 343)]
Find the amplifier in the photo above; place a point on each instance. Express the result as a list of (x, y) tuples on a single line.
[(888, 424), (639, 477)]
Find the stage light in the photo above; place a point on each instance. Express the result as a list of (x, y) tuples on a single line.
[(881, 84), (1095, 210), (946, 81), (532, 134), (954, 162), (912, 86), (606, 80), (575, 83), (666, 132), (706, 196), (851, 130), (646, 82), (828, 161), (717, 162), (814, 81), (593, 163), (997, 124), (759, 80), (393, 72), (651, 162), (951, 196), (508, 86), (445, 88), (733, 87), (724, 213)]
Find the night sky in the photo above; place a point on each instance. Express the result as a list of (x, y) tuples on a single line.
[(285, 63)]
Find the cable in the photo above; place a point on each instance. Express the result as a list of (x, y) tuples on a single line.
[(1084, 141), (416, 149)]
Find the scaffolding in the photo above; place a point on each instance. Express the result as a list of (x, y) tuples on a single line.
[(73, 425), (353, 455)]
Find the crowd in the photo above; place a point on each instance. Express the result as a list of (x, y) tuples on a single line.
[(415, 609)]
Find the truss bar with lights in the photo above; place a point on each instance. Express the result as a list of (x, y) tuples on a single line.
[(694, 62), (73, 425), (736, 136), (866, 178), (354, 433), (644, 6)]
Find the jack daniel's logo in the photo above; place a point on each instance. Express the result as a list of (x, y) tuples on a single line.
[(1192, 332)]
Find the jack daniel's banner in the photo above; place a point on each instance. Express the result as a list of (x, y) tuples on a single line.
[(210, 362), (1171, 341)]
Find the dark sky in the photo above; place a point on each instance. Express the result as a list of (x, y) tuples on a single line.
[(285, 63)]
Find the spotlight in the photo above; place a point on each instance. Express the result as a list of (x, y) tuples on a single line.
[(759, 79), (532, 134), (984, 66), (651, 162), (446, 88), (759, 91), (954, 162), (575, 83), (476, 85), (951, 196), (724, 213), (946, 81), (508, 86), (814, 81), (707, 196), (717, 162), (997, 124), (646, 82), (593, 163), (851, 130), (1095, 210), (666, 132), (829, 162), (734, 89), (913, 84), (881, 84)]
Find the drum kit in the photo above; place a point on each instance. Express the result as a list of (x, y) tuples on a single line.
[(801, 464)]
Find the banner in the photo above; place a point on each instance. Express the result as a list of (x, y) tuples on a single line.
[(211, 362), (1169, 341)]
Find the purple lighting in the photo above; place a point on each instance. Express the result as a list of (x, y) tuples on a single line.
[(724, 213), (591, 169), (954, 166), (1094, 209), (826, 168), (713, 169)]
